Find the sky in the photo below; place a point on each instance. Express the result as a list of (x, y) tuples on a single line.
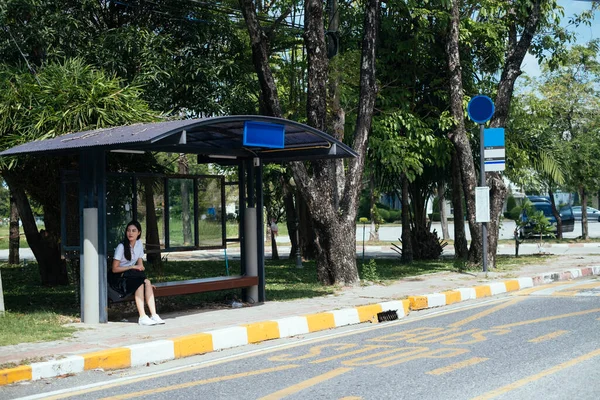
[(584, 33)]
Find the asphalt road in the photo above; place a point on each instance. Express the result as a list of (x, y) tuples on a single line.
[(539, 343)]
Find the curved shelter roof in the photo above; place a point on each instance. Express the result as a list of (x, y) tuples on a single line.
[(210, 137)]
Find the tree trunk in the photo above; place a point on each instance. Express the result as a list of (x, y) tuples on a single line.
[(306, 231), (269, 99), (186, 219), (519, 41), (274, 252), (314, 38), (271, 235), (337, 118), (45, 245), (584, 220), (458, 135), (337, 270), (556, 215), (373, 232), (443, 216), (334, 222), (498, 193), (418, 202), (152, 236), (335, 242), (461, 250), (407, 251), (13, 233), (291, 218)]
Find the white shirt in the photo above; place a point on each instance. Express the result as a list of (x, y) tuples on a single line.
[(136, 253)]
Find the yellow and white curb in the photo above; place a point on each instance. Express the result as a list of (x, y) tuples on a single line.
[(220, 339), (463, 294), (205, 342)]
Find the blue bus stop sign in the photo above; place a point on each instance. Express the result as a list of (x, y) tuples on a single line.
[(480, 109)]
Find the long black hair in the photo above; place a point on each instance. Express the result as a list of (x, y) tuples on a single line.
[(126, 247)]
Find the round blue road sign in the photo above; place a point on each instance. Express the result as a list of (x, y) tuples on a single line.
[(480, 109)]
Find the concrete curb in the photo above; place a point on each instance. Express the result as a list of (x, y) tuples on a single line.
[(205, 342)]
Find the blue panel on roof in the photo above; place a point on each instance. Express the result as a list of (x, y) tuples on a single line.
[(262, 134)]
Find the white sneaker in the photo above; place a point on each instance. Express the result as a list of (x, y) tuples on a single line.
[(146, 321), (157, 320)]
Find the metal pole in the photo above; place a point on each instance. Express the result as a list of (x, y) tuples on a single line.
[(483, 183)]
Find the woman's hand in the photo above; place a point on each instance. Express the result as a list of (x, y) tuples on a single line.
[(139, 265)]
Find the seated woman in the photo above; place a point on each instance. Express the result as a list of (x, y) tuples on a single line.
[(128, 266)]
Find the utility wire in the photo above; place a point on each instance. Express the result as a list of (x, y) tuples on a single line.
[(231, 12), (31, 69)]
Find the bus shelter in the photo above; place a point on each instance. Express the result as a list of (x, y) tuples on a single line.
[(247, 142)]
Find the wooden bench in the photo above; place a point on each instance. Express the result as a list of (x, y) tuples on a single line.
[(204, 285), (192, 286)]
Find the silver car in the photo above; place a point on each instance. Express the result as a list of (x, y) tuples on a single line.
[(592, 213)]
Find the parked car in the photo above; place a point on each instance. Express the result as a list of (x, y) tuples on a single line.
[(539, 199), (592, 213), (544, 205)]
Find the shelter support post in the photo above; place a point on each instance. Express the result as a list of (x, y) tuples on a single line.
[(253, 236), (241, 216), (260, 232), (93, 277), (251, 249)]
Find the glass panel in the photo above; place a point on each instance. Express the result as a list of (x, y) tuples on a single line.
[(119, 209), (210, 212), (232, 209), (150, 197), (181, 212)]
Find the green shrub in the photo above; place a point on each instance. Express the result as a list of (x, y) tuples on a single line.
[(369, 271), (435, 216), (513, 213), (382, 206), (395, 215), (384, 215), (511, 203)]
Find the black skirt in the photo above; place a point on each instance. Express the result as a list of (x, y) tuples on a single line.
[(127, 282)]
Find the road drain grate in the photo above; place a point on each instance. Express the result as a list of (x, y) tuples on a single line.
[(390, 315)]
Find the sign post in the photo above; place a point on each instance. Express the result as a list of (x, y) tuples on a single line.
[(481, 110)]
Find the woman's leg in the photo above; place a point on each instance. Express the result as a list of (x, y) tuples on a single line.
[(139, 300), (150, 297)]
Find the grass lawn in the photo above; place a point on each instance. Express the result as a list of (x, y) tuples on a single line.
[(36, 326)]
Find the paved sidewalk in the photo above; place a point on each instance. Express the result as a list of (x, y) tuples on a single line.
[(283, 249), (125, 344)]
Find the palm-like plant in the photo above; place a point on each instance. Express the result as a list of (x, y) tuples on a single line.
[(61, 98)]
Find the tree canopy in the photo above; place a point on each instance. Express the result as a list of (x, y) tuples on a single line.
[(391, 79)]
